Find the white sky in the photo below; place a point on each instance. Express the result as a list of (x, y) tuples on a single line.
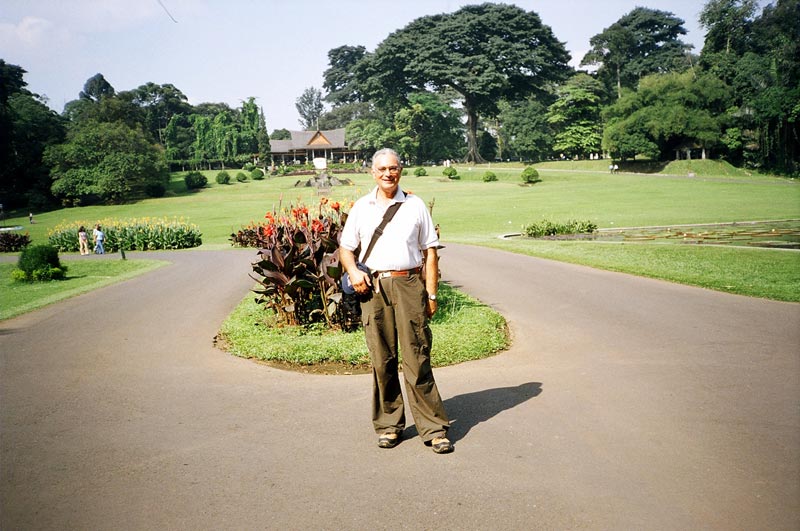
[(229, 50)]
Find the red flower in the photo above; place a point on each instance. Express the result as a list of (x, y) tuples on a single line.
[(317, 226), (335, 205)]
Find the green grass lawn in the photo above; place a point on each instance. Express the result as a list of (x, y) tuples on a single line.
[(463, 329), (472, 211), (82, 276), (766, 273)]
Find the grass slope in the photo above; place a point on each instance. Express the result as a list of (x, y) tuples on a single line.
[(82, 276), (472, 211)]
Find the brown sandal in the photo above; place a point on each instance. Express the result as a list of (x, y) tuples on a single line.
[(441, 445), (388, 440)]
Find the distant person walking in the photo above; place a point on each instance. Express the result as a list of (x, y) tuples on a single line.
[(83, 241), (30, 217), (99, 237)]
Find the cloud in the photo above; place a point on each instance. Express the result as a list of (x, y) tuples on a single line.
[(32, 34)]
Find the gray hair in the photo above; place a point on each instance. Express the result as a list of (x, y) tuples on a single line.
[(386, 151)]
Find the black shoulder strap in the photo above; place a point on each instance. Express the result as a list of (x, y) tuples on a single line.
[(387, 217)]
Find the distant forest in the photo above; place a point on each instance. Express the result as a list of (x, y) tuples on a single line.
[(487, 82)]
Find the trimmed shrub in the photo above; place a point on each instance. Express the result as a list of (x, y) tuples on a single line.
[(195, 180), (257, 174), (530, 175), (489, 177), (549, 228), (420, 172), (39, 263), (11, 242), (450, 173), (249, 167), (223, 177), (241, 177)]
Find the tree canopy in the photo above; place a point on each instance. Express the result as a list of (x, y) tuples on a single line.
[(309, 106), (27, 127), (106, 161), (644, 41), (339, 77), (575, 116), (492, 74), (669, 113), (483, 53)]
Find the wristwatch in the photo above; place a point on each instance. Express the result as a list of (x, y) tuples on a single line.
[(432, 297)]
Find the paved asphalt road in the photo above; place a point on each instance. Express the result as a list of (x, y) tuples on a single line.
[(624, 403)]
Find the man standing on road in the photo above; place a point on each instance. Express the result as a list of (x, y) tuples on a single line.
[(397, 303)]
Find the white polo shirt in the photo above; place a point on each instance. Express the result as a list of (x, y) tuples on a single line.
[(410, 231)]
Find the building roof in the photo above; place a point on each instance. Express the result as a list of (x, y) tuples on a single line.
[(302, 140)]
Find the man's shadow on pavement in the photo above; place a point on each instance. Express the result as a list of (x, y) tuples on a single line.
[(468, 410)]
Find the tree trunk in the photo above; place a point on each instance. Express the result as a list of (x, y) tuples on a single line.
[(472, 135), (619, 85)]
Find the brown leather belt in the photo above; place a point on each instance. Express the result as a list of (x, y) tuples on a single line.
[(400, 273)]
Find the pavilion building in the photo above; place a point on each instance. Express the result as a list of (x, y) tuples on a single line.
[(305, 146)]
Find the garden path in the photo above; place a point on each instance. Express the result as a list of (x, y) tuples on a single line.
[(624, 403)]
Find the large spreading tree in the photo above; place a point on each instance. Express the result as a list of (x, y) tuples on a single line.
[(339, 77), (645, 41), (106, 161), (483, 53)]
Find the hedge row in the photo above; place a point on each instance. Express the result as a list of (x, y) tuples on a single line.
[(144, 234)]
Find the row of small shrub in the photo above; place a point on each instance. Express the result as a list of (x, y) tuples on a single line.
[(145, 234), (11, 242), (39, 263), (529, 175), (550, 228)]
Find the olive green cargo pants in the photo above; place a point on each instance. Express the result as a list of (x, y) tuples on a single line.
[(396, 314)]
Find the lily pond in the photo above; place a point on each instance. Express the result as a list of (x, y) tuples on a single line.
[(773, 234)]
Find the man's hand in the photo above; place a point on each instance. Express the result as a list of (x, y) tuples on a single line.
[(361, 281), (430, 308)]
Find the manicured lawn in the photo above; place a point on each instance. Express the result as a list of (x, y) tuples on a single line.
[(82, 276), (469, 211), (767, 273), (472, 211), (463, 329)]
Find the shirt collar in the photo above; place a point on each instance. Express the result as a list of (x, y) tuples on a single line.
[(399, 197)]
